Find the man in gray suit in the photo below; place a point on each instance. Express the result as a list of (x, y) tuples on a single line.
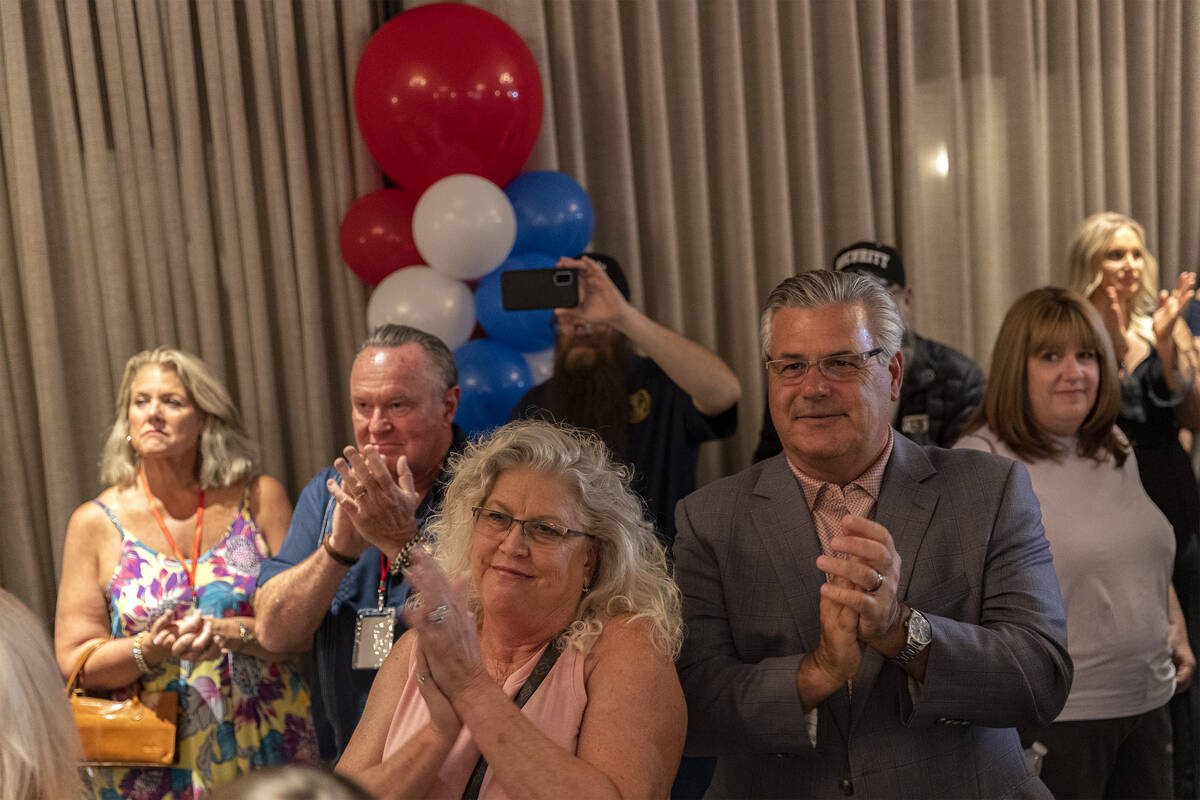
[(865, 616)]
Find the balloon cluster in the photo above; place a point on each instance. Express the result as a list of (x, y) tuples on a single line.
[(449, 102)]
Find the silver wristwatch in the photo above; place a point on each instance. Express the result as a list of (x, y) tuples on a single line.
[(920, 634)]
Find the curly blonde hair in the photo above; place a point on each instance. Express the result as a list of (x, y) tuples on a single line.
[(631, 574)]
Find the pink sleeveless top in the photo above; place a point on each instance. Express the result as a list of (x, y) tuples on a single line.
[(556, 708)]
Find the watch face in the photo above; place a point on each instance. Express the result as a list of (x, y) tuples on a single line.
[(919, 630)]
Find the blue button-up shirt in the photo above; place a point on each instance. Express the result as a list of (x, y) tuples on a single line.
[(340, 691)]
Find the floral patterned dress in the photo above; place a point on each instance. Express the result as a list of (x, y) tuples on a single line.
[(236, 713)]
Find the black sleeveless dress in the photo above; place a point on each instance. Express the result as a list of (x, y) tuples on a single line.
[(1148, 419)]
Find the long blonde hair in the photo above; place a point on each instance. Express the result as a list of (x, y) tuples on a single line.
[(226, 453), (1084, 273), (39, 744)]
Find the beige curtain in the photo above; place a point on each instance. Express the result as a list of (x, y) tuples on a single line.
[(173, 173), (176, 172)]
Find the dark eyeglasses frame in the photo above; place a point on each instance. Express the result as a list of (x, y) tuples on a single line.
[(821, 363), (477, 510)]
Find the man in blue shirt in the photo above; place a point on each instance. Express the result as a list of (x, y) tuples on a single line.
[(332, 587)]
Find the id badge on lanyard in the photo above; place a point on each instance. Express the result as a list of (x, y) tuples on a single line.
[(375, 629)]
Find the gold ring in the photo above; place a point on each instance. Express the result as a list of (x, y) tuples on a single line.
[(360, 494), (878, 582)]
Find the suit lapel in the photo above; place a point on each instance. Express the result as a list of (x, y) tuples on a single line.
[(905, 508), (780, 516)]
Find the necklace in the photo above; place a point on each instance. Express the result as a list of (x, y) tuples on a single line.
[(191, 573)]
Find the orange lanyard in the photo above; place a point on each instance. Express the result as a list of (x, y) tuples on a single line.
[(191, 573)]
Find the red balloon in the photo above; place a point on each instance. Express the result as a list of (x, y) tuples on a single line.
[(376, 234), (444, 89)]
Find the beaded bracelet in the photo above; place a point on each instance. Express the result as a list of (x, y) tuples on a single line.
[(138, 656)]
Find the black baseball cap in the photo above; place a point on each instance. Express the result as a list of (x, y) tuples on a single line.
[(872, 258)]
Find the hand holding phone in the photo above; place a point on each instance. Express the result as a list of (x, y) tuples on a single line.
[(600, 299)]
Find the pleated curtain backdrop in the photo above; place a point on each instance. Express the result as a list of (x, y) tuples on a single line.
[(175, 172)]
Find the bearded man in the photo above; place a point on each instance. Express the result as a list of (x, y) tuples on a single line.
[(653, 411)]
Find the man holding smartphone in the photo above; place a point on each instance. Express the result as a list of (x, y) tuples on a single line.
[(653, 411)]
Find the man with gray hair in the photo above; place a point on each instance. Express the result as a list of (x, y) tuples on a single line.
[(942, 387), (865, 615), (335, 586)]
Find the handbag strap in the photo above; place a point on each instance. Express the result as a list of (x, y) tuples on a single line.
[(540, 671), (92, 647)]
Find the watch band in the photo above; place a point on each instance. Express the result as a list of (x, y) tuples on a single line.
[(919, 635)]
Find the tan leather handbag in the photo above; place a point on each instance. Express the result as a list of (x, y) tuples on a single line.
[(137, 732)]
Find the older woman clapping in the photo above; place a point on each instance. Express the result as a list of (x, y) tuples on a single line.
[(1051, 403), (554, 591)]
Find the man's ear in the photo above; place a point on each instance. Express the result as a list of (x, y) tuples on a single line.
[(896, 369), (450, 403)]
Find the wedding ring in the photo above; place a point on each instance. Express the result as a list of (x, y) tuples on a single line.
[(360, 494), (878, 583), (438, 615)]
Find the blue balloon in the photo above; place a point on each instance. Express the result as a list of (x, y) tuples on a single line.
[(523, 331), (554, 214), (493, 379)]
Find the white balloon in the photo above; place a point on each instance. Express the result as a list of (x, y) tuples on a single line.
[(422, 298), (541, 364), (464, 226)]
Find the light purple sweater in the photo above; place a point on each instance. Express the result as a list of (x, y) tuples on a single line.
[(1113, 554)]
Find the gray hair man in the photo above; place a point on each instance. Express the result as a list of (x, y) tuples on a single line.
[(882, 614), (942, 386), (335, 585)]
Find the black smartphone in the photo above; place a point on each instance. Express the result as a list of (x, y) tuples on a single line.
[(526, 289)]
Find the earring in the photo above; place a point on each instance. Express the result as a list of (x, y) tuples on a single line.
[(587, 589)]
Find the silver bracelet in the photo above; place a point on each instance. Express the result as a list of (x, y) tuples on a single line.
[(138, 656)]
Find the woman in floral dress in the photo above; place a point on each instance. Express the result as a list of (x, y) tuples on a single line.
[(161, 567)]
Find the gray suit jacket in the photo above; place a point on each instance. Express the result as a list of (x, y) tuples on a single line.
[(975, 561)]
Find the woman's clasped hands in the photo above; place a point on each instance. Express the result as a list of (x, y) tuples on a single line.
[(189, 637), (447, 656)]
